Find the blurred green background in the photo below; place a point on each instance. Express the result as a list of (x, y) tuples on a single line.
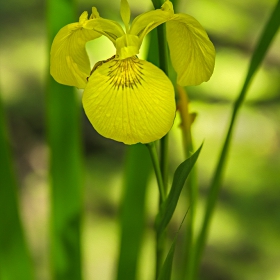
[(244, 240)]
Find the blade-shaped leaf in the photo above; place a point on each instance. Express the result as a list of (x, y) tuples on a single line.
[(64, 138), (15, 262), (132, 219), (180, 176), (166, 270), (262, 46)]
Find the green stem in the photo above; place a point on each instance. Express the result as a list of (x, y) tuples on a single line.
[(153, 153), (192, 195), (160, 245), (160, 238), (164, 160), (191, 184), (163, 64)]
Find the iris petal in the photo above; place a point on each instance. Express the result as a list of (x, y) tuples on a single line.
[(69, 62), (192, 53), (109, 28), (146, 22), (130, 101), (125, 13)]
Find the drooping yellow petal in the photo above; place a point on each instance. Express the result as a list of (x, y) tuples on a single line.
[(192, 53), (130, 101), (69, 62), (146, 22)]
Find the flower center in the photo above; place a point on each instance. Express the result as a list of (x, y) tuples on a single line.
[(126, 73), (127, 46)]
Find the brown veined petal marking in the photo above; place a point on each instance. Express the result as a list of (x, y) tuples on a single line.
[(130, 101)]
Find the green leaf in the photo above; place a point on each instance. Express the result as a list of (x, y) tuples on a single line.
[(15, 262), (180, 176), (64, 139), (132, 219), (261, 49)]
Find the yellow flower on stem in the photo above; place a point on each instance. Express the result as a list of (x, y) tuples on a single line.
[(125, 98)]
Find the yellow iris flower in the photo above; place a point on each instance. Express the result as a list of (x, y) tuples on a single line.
[(125, 98)]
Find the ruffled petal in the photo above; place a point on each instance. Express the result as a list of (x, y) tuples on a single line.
[(130, 101), (109, 28), (191, 51), (69, 62)]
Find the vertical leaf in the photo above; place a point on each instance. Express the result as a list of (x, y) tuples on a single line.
[(137, 171), (261, 49), (65, 161), (15, 261)]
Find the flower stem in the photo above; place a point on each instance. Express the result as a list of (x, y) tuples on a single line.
[(160, 237), (163, 65), (164, 160), (191, 185), (153, 153)]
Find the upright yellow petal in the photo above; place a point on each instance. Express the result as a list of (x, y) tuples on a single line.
[(69, 62), (192, 53), (125, 13), (130, 101)]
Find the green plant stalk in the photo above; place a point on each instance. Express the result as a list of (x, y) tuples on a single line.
[(191, 183), (153, 153), (258, 55), (163, 65), (164, 160), (192, 191), (192, 188), (160, 237)]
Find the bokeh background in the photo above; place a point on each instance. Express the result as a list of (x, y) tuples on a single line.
[(244, 240)]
